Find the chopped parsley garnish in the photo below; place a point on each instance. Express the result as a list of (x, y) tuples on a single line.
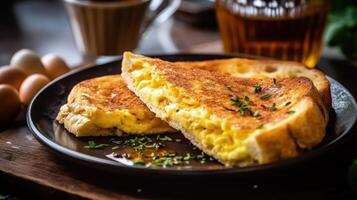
[(235, 100), (256, 114), (265, 96), (187, 157), (116, 141), (242, 106), (246, 98), (260, 126), (288, 103), (93, 145), (168, 154), (290, 112), (153, 145), (163, 138), (245, 107), (169, 159), (165, 162), (257, 89), (138, 143), (201, 158), (273, 107)]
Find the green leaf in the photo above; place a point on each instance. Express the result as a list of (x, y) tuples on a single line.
[(341, 30)]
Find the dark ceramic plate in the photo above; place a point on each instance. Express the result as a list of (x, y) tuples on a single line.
[(44, 108)]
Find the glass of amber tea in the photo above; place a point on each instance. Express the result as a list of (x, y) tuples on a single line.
[(282, 29)]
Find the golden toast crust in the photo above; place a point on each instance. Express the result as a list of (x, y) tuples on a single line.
[(103, 96), (107, 93), (249, 68)]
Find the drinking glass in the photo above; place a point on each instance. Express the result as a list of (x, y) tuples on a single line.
[(282, 29)]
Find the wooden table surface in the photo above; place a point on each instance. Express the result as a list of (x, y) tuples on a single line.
[(30, 170)]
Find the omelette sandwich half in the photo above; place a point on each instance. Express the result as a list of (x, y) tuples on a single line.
[(105, 106), (238, 121)]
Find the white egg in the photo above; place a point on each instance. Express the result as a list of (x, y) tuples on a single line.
[(54, 65), (31, 85), (28, 61), (9, 104)]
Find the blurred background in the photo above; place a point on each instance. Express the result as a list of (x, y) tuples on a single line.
[(43, 26)]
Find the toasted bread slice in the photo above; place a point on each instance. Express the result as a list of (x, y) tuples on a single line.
[(238, 121), (105, 106), (249, 68)]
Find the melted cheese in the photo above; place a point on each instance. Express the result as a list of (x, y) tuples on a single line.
[(87, 121)]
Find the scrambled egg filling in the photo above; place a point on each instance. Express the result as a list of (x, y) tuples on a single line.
[(90, 119), (128, 121), (211, 132)]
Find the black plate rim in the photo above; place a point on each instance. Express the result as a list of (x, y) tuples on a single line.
[(112, 166)]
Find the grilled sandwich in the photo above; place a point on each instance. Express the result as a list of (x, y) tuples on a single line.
[(105, 106), (75, 118), (238, 121), (278, 70)]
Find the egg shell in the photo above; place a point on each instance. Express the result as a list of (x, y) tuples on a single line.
[(9, 104), (31, 85), (12, 76), (28, 61), (54, 65)]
